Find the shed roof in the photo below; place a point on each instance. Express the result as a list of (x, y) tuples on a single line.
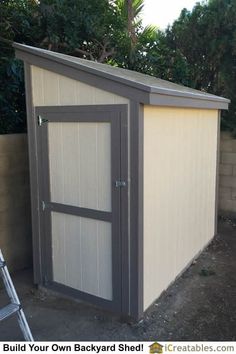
[(131, 84)]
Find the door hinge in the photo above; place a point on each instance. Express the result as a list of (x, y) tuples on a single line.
[(41, 120), (43, 205), (120, 184)]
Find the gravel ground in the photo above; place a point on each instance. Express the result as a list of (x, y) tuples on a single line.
[(199, 306)]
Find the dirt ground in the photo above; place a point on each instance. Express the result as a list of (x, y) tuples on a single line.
[(200, 305)]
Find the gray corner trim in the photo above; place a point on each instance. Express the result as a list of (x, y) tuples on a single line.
[(44, 191), (88, 78), (187, 102), (146, 93), (217, 174), (136, 210), (33, 165), (125, 279)]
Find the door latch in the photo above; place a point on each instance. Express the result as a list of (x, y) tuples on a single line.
[(120, 184)]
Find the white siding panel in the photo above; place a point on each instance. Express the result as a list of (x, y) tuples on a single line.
[(56, 165), (89, 247), (179, 191), (104, 259), (84, 93), (73, 259), (103, 163), (82, 254), (53, 89), (67, 93), (50, 88), (80, 164), (69, 140), (58, 248), (88, 163), (37, 85)]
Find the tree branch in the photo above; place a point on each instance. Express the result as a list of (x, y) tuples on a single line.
[(105, 54), (84, 52), (8, 41)]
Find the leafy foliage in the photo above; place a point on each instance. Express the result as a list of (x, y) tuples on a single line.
[(78, 27), (205, 40), (18, 21), (12, 98), (199, 50), (104, 30)]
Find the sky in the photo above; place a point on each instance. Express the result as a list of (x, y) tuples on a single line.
[(163, 12)]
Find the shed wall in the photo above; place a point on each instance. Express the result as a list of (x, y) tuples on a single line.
[(180, 156), (52, 89)]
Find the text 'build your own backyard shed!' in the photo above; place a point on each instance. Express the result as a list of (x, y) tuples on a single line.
[(123, 178)]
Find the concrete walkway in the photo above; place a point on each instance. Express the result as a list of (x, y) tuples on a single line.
[(201, 305)]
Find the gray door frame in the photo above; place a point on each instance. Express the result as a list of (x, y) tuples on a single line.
[(117, 116)]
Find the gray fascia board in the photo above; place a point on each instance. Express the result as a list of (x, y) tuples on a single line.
[(79, 66), (185, 102), (140, 92), (86, 77), (198, 95)]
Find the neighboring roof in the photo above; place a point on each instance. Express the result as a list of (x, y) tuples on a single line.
[(143, 88)]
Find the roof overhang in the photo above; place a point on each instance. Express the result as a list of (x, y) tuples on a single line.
[(118, 85)]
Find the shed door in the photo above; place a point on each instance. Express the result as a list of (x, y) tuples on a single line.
[(80, 191)]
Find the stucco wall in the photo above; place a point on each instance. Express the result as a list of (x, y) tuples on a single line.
[(15, 224), (227, 181)]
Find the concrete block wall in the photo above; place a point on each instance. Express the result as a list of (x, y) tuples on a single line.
[(227, 180), (15, 218)]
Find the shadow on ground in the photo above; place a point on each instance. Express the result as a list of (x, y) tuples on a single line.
[(201, 305)]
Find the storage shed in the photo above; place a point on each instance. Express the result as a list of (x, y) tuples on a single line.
[(123, 178)]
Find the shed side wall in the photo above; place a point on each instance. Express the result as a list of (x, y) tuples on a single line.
[(180, 154)]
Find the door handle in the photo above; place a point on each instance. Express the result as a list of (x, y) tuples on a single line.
[(120, 184)]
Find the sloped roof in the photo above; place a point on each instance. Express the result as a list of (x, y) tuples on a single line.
[(146, 89)]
